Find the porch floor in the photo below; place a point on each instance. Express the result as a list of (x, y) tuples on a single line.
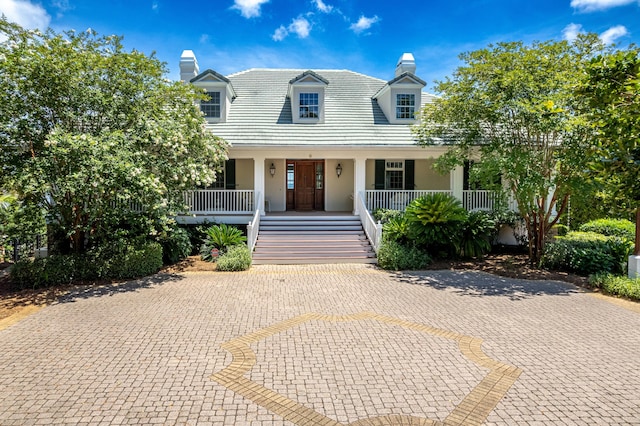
[(310, 213)]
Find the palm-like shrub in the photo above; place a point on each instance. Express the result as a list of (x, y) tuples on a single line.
[(477, 232), (435, 222), (221, 237), (396, 229)]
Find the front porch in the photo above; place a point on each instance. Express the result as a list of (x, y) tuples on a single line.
[(239, 206)]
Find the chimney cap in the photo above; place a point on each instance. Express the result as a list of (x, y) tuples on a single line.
[(406, 63)]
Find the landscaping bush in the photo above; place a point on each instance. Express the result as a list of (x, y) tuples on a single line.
[(435, 222), (221, 237), (616, 285), (236, 258), (137, 261), (477, 232), (396, 229), (620, 228), (395, 256), (129, 261), (385, 215), (587, 253), (176, 245)]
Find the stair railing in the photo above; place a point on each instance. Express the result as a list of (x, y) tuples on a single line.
[(254, 225), (372, 229)]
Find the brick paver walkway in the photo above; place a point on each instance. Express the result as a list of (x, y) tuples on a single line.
[(324, 345)]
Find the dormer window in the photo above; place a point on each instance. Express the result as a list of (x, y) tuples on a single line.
[(220, 94), (211, 108), (405, 106), (309, 106), (307, 95)]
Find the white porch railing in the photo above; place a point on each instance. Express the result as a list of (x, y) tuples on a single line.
[(254, 226), (207, 201), (372, 229), (394, 199), (400, 199)]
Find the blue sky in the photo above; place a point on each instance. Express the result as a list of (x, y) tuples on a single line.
[(366, 36)]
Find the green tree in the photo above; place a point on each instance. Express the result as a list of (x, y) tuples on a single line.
[(87, 129), (512, 106), (611, 92)]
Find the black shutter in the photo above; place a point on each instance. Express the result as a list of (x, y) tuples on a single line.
[(465, 174), (380, 168), (409, 175), (230, 174)]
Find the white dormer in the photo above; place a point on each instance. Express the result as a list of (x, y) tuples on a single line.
[(400, 99), (306, 93), (220, 92)]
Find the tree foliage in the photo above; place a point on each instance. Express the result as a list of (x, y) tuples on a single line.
[(612, 101), (512, 106), (87, 129)]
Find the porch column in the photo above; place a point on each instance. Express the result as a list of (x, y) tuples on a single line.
[(457, 182), (258, 180), (359, 181)]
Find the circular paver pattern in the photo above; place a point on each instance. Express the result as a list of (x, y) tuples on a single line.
[(324, 344)]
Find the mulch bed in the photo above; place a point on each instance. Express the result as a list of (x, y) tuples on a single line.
[(507, 264)]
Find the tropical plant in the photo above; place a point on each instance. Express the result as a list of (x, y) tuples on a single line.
[(478, 230), (176, 244), (220, 237), (514, 106), (396, 229), (435, 222)]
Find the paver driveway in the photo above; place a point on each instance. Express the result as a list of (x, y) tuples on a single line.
[(324, 344)]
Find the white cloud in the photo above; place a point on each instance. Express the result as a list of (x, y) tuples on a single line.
[(280, 34), (613, 33), (25, 13), (299, 26), (363, 24), (204, 38), (249, 8), (323, 7), (594, 5), (571, 31), (154, 6)]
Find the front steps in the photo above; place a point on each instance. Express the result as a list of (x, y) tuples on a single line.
[(289, 240)]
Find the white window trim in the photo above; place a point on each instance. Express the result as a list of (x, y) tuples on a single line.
[(394, 166), (398, 106)]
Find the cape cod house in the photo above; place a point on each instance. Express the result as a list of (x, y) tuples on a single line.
[(332, 142)]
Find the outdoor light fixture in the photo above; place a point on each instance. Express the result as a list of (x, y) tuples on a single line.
[(338, 170), (272, 170)]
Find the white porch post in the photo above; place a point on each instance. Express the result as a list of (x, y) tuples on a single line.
[(457, 182), (359, 181), (258, 180)]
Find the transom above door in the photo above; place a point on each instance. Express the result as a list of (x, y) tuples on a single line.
[(305, 185)]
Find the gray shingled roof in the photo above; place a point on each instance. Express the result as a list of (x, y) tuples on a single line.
[(261, 113)]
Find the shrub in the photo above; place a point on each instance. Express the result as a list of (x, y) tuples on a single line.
[(128, 261), (435, 221), (176, 245), (396, 229), (136, 262), (617, 285), (477, 232), (396, 256), (237, 258), (221, 237), (620, 228), (385, 215), (587, 253)]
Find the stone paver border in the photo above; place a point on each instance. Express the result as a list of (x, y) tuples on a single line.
[(472, 410)]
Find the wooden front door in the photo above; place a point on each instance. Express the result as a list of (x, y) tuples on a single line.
[(305, 185)]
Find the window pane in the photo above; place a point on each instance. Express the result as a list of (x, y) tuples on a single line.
[(309, 105), (211, 108), (394, 179), (290, 176), (405, 105)]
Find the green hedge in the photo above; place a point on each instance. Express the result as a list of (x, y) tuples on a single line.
[(395, 256), (125, 262), (620, 228), (587, 253), (616, 285), (236, 258)]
